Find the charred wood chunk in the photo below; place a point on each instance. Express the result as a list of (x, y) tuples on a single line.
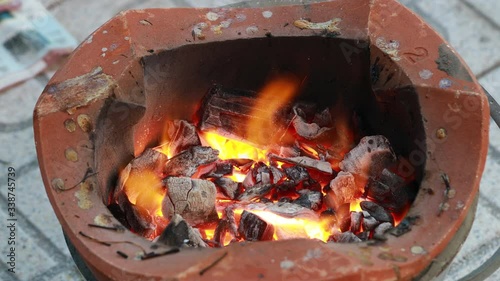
[(182, 135), (356, 219), (229, 111), (243, 165), (256, 191), (193, 199), (343, 189), (377, 211), (188, 162), (345, 237), (289, 151), (229, 187), (389, 191), (369, 222), (178, 233), (309, 199), (369, 157), (297, 173), (253, 228), (306, 162), (286, 199)]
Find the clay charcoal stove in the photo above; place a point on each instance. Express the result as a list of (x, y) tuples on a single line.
[(264, 143), (209, 166)]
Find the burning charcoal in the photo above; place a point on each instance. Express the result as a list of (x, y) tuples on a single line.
[(193, 199), (356, 218), (262, 173), (136, 217), (288, 210), (229, 111), (388, 191), (243, 165), (309, 199), (343, 214), (309, 131), (305, 162), (382, 228), (277, 174), (343, 189), (253, 228), (363, 235), (345, 237), (297, 173), (249, 180), (285, 199), (255, 191), (187, 162), (229, 187), (329, 216), (369, 157), (289, 151), (221, 169), (178, 233), (369, 222), (221, 231), (182, 135), (231, 219), (377, 211)]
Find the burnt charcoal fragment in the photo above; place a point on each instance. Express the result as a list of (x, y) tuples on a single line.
[(306, 162), (178, 233), (285, 199), (356, 219), (220, 232), (308, 131), (276, 174), (253, 228), (369, 222), (182, 135), (346, 237), (221, 169), (363, 235), (228, 187), (369, 157), (309, 199), (377, 211), (343, 214), (187, 162), (297, 173), (382, 228), (342, 190), (256, 191), (389, 191)]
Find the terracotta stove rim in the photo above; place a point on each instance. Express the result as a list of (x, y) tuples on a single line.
[(136, 57)]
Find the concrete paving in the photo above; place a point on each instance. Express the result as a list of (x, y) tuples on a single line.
[(471, 26)]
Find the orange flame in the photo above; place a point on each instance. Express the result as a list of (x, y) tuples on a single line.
[(298, 227), (355, 206), (233, 149), (145, 189), (272, 97)]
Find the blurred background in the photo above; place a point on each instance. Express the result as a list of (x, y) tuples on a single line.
[(36, 35)]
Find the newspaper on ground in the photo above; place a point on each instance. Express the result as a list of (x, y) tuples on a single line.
[(30, 40)]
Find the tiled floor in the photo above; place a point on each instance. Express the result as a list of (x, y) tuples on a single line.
[(471, 26)]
